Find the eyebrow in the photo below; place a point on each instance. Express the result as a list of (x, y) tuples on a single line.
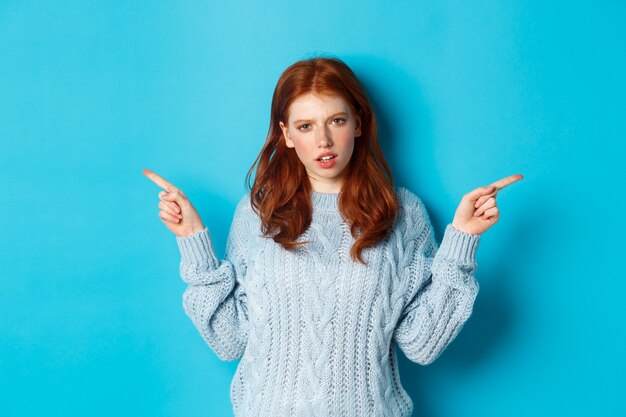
[(343, 113)]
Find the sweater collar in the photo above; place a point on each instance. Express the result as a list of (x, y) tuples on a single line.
[(324, 201)]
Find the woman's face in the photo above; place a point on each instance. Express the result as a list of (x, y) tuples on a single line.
[(321, 124)]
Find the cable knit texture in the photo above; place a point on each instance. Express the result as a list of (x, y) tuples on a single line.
[(316, 331)]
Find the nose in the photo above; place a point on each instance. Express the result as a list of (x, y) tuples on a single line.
[(324, 138)]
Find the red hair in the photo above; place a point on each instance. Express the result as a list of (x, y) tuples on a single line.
[(281, 193)]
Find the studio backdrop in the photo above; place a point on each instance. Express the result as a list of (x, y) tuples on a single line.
[(465, 93)]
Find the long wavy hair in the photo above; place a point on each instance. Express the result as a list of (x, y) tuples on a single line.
[(281, 193)]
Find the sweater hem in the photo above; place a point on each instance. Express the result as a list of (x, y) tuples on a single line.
[(197, 248), (459, 246)]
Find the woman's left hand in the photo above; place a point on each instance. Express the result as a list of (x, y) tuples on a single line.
[(478, 210)]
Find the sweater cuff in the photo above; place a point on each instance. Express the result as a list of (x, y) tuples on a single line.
[(459, 246), (197, 249)]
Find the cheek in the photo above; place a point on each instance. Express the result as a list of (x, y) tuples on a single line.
[(348, 140), (301, 149)]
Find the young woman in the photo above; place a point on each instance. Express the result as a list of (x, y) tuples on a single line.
[(328, 266)]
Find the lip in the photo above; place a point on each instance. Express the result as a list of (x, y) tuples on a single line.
[(326, 154)]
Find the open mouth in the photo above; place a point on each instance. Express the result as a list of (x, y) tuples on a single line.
[(326, 162), (326, 158)]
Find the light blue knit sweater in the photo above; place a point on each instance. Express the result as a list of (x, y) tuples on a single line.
[(316, 331)]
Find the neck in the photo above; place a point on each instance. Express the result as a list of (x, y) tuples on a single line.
[(331, 187)]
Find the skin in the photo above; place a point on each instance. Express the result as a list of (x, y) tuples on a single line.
[(177, 212), (319, 123), (478, 210)]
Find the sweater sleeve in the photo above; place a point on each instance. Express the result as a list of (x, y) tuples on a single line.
[(441, 285), (215, 298)]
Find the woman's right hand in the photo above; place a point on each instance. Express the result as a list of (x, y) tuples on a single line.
[(177, 212)]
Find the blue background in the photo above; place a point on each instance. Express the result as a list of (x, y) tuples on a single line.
[(91, 318)]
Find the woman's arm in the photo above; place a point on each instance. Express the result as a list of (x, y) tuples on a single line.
[(215, 298), (441, 286)]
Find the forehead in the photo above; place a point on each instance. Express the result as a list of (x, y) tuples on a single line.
[(311, 105)]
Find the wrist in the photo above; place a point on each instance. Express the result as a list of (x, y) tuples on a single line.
[(464, 229), (458, 227), (192, 231)]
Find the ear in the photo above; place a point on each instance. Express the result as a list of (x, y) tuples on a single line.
[(288, 141), (357, 128)]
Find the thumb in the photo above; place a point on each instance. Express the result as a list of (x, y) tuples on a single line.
[(173, 196), (479, 192)]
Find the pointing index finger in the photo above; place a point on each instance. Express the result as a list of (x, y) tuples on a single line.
[(160, 181), (501, 183)]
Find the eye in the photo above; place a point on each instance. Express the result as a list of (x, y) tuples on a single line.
[(304, 126), (339, 121)]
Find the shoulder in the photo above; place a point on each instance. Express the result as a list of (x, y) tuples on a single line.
[(407, 198), (412, 214), (243, 205), (244, 215), (242, 224), (410, 203)]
